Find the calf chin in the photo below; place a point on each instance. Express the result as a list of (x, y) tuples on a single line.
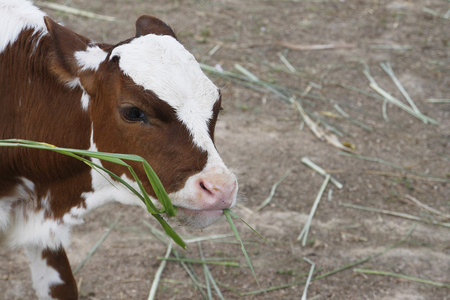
[(197, 219)]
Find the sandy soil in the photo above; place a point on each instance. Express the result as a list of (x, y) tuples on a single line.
[(260, 136)]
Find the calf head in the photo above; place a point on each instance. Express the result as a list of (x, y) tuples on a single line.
[(148, 96)]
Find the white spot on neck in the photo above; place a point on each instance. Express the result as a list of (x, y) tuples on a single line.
[(85, 100)]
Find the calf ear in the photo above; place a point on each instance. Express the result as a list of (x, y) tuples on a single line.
[(64, 44), (148, 24)]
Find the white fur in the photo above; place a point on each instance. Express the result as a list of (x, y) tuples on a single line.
[(17, 15), (85, 100), (88, 60), (91, 58), (43, 275), (161, 64), (24, 225), (32, 228), (73, 83), (114, 192)]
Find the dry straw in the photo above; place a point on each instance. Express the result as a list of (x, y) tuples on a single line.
[(402, 276), (396, 214), (374, 85), (304, 233), (248, 79), (74, 11), (272, 191), (321, 171), (338, 269), (158, 274), (308, 281)]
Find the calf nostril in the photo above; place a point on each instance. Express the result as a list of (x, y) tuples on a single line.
[(215, 193), (202, 185)]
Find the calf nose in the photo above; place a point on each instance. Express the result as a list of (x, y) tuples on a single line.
[(217, 194)]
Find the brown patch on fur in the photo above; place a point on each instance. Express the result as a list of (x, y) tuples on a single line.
[(57, 259)]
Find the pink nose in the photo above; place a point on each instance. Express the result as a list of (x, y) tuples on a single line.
[(217, 195)]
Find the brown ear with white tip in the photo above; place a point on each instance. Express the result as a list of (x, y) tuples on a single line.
[(64, 44), (151, 25)]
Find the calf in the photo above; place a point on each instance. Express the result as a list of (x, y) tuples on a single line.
[(146, 96)]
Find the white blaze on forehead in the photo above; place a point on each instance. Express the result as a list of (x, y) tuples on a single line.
[(159, 63)]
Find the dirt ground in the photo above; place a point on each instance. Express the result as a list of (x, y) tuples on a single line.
[(262, 137)]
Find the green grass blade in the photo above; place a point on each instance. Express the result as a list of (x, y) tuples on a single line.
[(153, 210), (216, 288), (209, 279), (232, 213), (202, 261), (402, 276), (147, 200), (170, 232), (205, 271), (159, 189), (230, 221), (117, 159), (67, 151), (110, 157), (70, 152)]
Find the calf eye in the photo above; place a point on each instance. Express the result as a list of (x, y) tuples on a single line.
[(134, 114)]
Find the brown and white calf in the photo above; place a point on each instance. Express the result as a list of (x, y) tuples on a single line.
[(146, 96)]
